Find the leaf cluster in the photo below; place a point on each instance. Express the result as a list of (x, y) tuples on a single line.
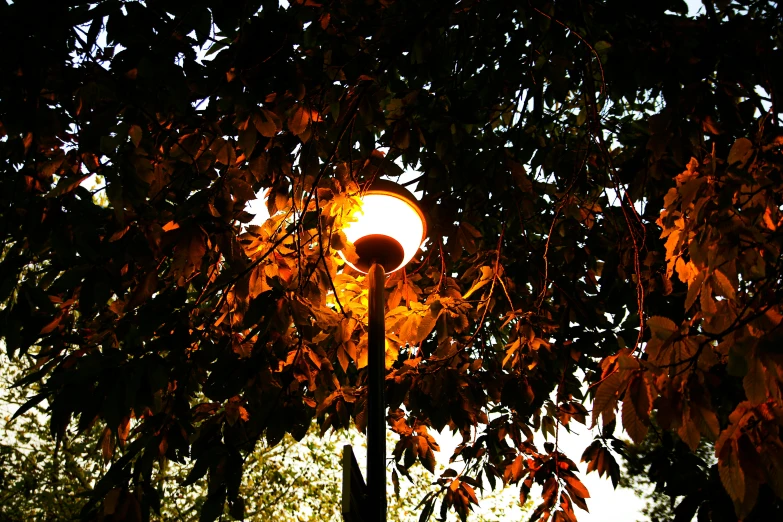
[(602, 184)]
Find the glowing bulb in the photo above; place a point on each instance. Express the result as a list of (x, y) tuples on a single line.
[(388, 229)]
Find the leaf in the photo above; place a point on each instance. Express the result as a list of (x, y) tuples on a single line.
[(661, 327), (298, 121), (116, 236), (579, 501), (606, 395), (484, 279), (688, 431), (31, 403), (706, 421), (199, 470), (105, 444), (224, 152), (123, 430), (241, 190), (636, 408), (518, 468), (723, 284), (470, 492), (740, 153), (110, 501), (135, 134), (66, 185), (342, 357), (426, 325), (754, 382), (267, 123), (426, 512), (247, 140), (732, 476), (694, 287), (708, 305), (686, 509), (575, 487), (52, 325), (409, 330)]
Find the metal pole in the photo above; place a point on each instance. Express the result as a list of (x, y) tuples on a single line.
[(376, 406)]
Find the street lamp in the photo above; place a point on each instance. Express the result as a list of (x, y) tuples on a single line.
[(388, 229), (386, 232)]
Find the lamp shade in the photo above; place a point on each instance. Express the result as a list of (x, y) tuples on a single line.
[(388, 229)]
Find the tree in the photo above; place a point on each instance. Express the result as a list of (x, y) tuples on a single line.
[(661, 469), (46, 479), (602, 183)]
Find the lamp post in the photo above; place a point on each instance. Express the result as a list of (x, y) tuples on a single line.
[(387, 233)]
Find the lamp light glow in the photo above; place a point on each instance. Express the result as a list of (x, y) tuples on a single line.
[(389, 228)]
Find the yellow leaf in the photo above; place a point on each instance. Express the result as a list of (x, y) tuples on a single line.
[(361, 352), (409, 330), (484, 279), (392, 352), (426, 325)]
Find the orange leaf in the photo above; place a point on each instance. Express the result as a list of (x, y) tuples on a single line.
[(51, 326), (576, 488), (297, 123), (753, 382), (636, 409), (688, 432), (732, 476), (606, 395)]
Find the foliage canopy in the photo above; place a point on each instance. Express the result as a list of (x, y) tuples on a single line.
[(603, 187)]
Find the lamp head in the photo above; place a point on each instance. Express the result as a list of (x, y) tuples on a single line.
[(388, 229)]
